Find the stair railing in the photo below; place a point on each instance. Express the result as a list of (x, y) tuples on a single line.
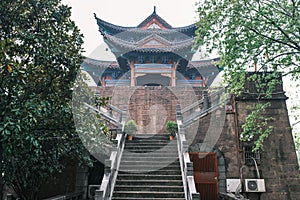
[(112, 164), (107, 115), (69, 196), (186, 165), (209, 103), (204, 102)]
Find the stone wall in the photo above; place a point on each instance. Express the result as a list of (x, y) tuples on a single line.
[(278, 166), (152, 106), (220, 130)]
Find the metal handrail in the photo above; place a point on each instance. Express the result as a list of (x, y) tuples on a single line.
[(200, 114), (69, 196), (107, 117), (112, 164), (192, 106), (185, 163), (196, 104), (111, 169)]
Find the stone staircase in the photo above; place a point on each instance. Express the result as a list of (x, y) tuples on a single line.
[(149, 169)]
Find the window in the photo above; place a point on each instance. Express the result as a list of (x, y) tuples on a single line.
[(249, 155), (116, 74), (140, 59), (164, 59), (152, 59), (193, 76)]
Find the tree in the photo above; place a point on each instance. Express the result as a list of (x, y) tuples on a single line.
[(252, 35), (40, 56)]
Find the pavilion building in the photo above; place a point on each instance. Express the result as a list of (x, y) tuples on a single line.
[(156, 54), (151, 54)]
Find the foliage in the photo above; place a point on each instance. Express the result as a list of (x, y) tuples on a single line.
[(171, 127), (252, 35), (257, 125), (131, 127), (40, 53), (93, 133)]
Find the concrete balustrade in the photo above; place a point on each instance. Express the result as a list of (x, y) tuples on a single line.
[(186, 165), (111, 168)]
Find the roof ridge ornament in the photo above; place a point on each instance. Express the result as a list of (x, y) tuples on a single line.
[(154, 11)]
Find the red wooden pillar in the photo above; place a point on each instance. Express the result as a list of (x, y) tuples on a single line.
[(132, 74), (173, 74)]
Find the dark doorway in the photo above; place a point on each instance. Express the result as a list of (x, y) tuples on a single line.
[(153, 80), (152, 84), (96, 173)]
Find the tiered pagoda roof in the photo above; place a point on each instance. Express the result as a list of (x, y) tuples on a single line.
[(146, 50), (152, 35), (164, 27)]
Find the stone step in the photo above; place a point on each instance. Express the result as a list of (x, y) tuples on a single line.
[(150, 182), (162, 151), (156, 154), (152, 148), (150, 144), (129, 198), (148, 136), (149, 162), (148, 194), (145, 169), (142, 158), (156, 172), (149, 139), (160, 188), (160, 142), (148, 177), (149, 168), (154, 163)]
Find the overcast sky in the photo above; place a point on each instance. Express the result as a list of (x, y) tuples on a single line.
[(126, 13), (130, 13)]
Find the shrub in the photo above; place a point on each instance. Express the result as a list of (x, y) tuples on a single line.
[(171, 127), (131, 127)]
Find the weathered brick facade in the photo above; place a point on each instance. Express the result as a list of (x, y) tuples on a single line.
[(219, 131), (151, 107), (278, 164)]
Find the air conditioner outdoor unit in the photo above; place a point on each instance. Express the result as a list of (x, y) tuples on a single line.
[(233, 185), (92, 190), (255, 185)]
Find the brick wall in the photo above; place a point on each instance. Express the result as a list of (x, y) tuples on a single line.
[(151, 107), (279, 166)]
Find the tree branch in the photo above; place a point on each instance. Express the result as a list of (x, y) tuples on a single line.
[(250, 7), (270, 38), (277, 56)]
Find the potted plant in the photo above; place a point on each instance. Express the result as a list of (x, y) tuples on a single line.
[(130, 128), (172, 128)]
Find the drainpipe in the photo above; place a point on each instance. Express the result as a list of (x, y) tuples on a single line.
[(236, 129)]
